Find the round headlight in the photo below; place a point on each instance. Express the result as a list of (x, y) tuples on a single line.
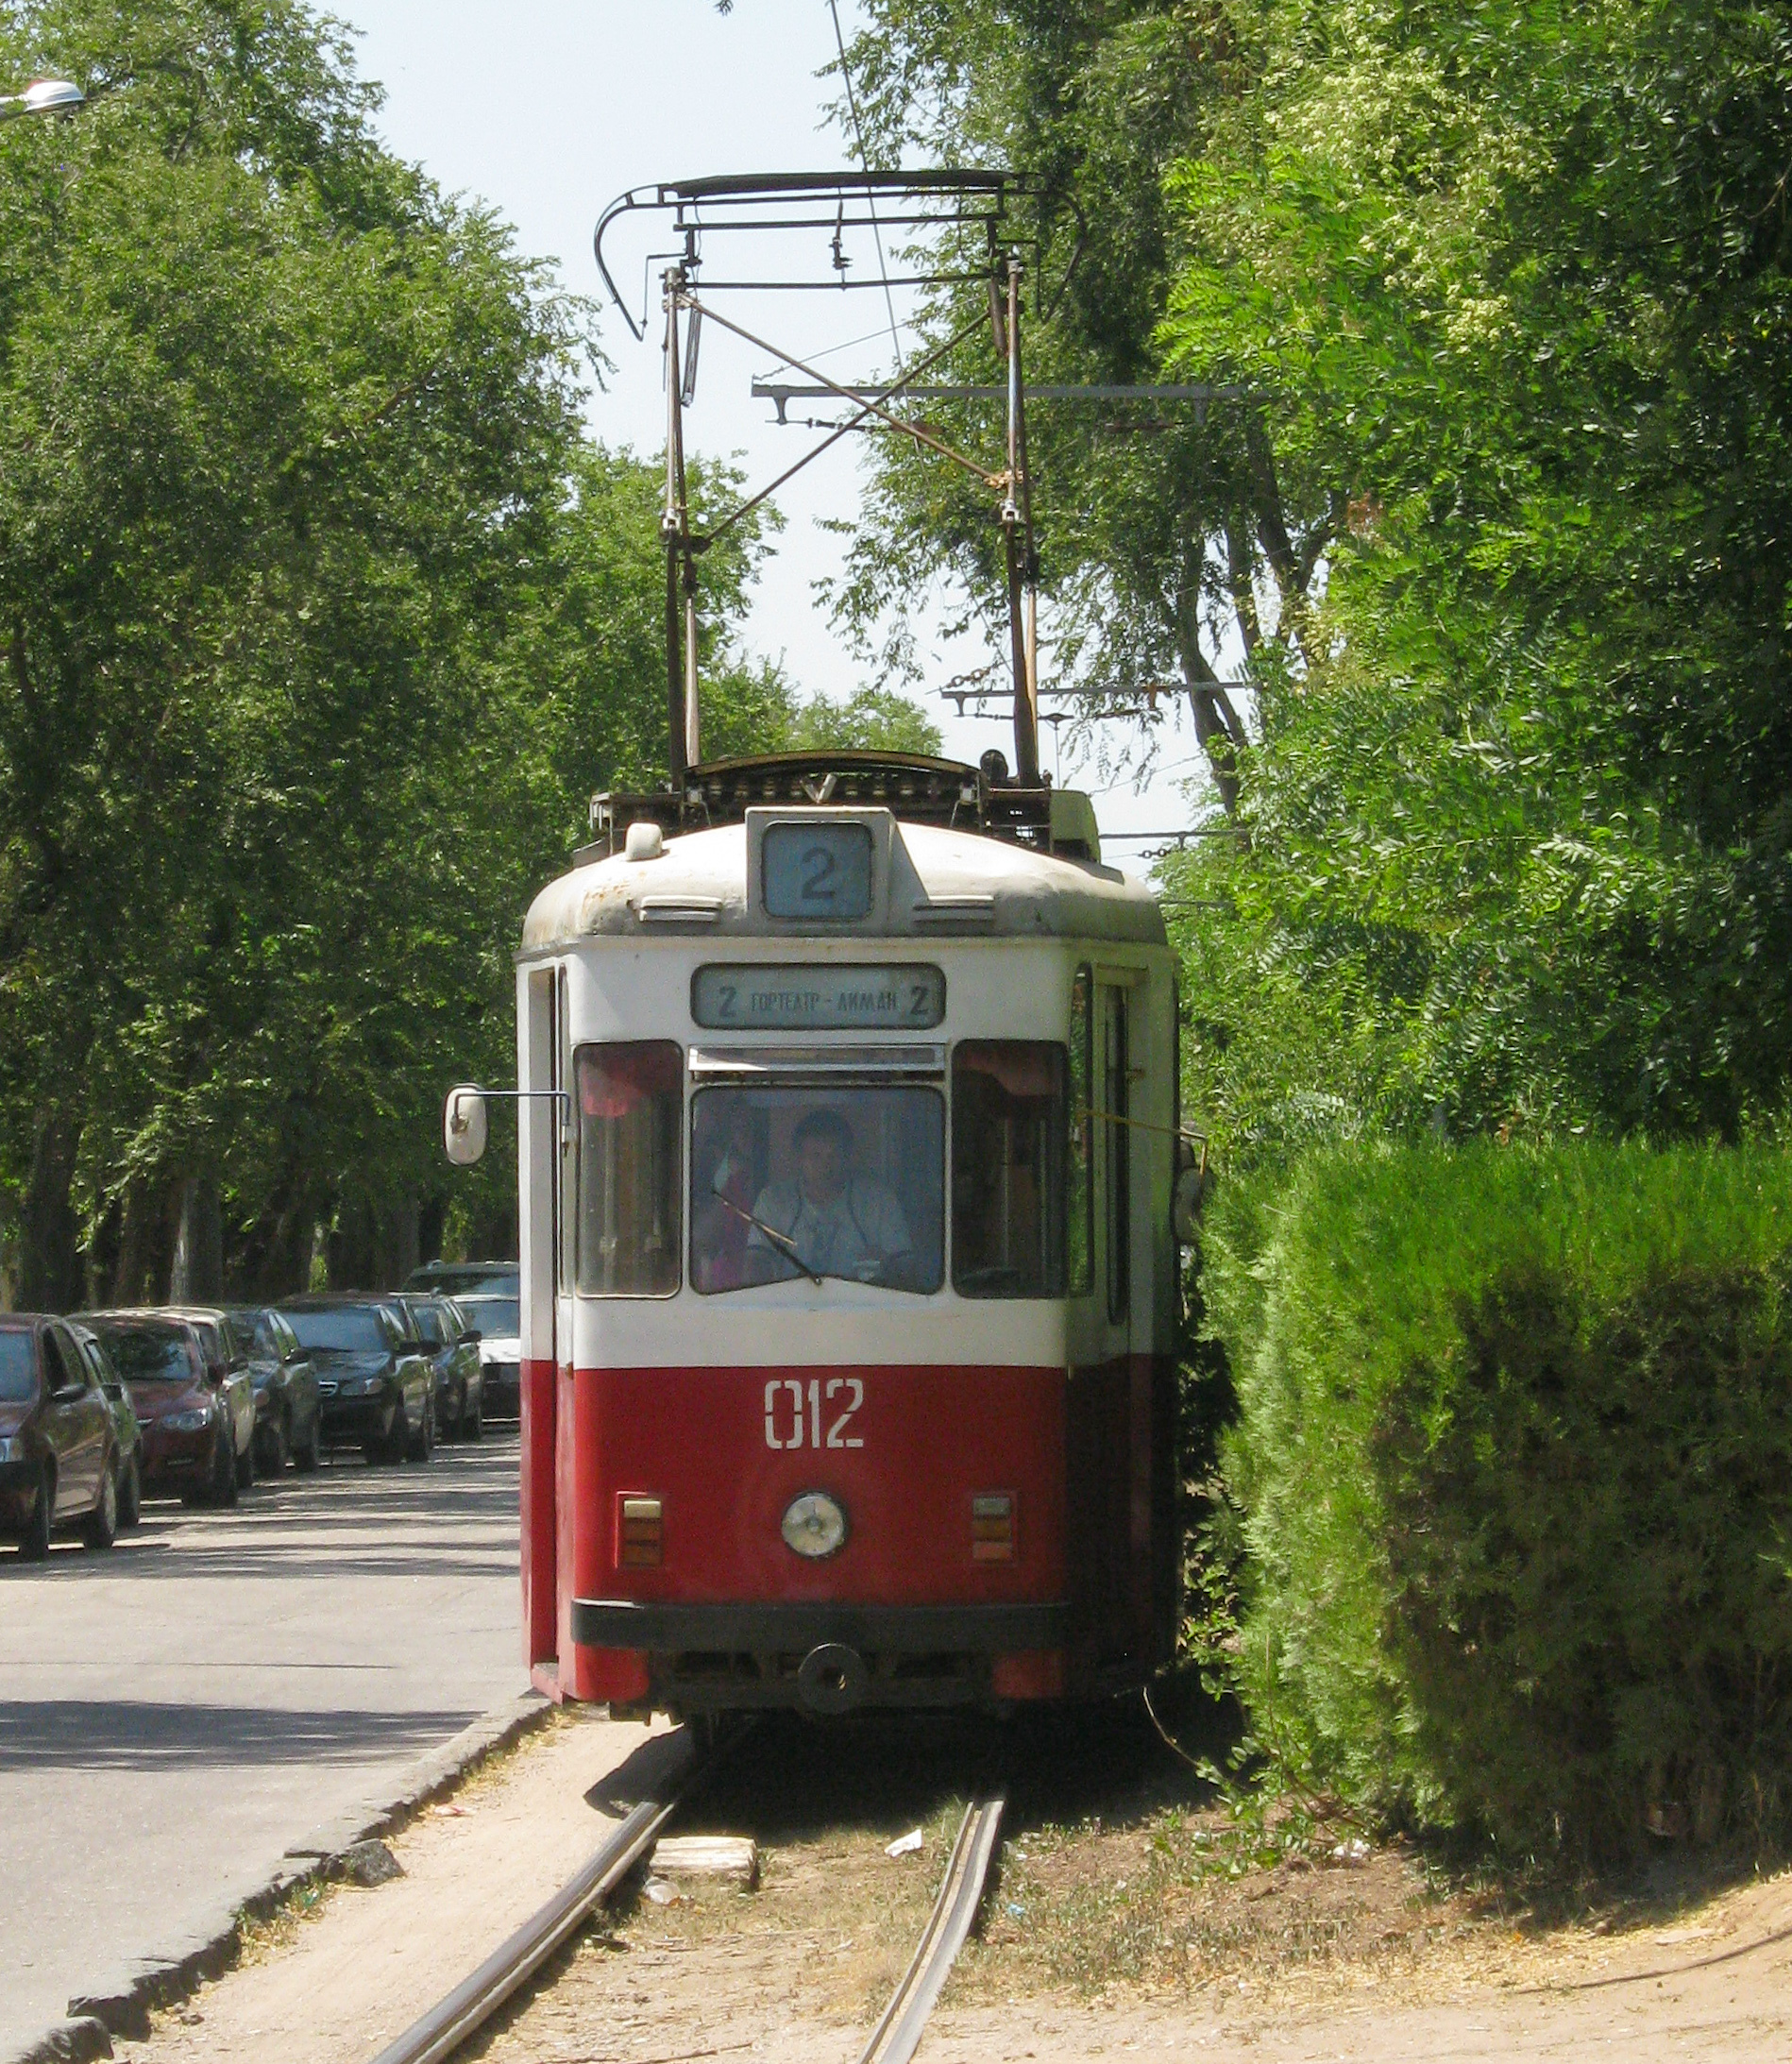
[(815, 1526)]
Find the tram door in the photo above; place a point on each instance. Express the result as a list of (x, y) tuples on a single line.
[(1103, 1413), (538, 1131), (565, 1137)]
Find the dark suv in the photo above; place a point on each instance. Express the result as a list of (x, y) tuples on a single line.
[(375, 1384), (58, 1460)]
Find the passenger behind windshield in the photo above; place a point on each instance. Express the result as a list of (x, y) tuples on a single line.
[(834, 1220), (785, 1184)]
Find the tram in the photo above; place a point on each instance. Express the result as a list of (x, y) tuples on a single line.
[(849, 1162)]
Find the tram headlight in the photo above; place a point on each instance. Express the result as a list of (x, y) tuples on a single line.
[(815, 1526)]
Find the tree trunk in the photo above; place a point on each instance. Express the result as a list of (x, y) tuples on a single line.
[(196, 1275), (50, 1269), (131, 1262), (431, 1218), (351, 1249), (395, 1243)]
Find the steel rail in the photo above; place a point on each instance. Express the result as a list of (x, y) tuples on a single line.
[(898, 2034), (448, 2024)]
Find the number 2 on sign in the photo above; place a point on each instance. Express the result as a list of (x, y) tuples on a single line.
[(795, 1415)]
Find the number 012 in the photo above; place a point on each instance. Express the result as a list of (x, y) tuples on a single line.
[(795, 1413)]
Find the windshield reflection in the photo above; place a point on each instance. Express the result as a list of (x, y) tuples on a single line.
[(820, 1182)]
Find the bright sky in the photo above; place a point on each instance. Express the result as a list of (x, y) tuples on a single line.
[(547, 109)]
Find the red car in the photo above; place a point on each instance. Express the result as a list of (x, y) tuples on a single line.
[(59, 1464), (189, 1440)]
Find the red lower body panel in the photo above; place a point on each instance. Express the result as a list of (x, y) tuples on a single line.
[(1057, 1594)]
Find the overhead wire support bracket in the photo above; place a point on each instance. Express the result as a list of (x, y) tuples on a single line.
[(945, 201), (782, 392)]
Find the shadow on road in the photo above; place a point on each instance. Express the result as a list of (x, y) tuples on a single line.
[(128, 1735)]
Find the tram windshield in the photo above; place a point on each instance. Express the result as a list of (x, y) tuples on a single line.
[(844, 1182)]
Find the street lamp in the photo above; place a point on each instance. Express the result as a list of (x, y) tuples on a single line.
[(43, 97)]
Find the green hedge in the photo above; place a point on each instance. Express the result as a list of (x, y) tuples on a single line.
[(1515, 1459)]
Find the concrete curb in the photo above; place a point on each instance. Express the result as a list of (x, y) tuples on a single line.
[(211, 1945)]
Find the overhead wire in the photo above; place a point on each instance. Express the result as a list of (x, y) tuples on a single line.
[(858, 139)]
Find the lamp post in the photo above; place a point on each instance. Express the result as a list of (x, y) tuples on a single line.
[(43, 97)]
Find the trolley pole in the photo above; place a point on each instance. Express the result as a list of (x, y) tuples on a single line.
[(1022, 558), (682, 730)]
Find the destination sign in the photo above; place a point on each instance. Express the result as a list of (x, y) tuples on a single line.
[(891, 998)]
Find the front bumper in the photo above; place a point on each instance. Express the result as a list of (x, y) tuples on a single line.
[(825, 1657), (180, 1459), (501, 1389), (348, 1420)]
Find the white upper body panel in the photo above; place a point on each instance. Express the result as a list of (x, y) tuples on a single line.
[(941, 884)]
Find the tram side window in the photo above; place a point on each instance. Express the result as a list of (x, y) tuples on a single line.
[(631, 1098), (1010, 1140)]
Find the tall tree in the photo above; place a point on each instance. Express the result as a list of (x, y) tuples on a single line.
[(1173, 538), (320, 623), (1518, 277)]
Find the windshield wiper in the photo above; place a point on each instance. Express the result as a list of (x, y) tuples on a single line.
[(782, 1240)]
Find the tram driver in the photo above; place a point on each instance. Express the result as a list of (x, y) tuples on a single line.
[(833, 1219)]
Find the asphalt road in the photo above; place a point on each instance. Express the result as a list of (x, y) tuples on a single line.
[(176, 1714)]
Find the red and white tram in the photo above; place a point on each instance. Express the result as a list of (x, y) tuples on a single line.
[(849, 1277), (848, 1150)]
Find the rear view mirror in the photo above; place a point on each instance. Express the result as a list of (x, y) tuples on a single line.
[(473, 1334), (464, 1124)]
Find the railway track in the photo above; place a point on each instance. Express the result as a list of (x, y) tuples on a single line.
[(457, 2018)]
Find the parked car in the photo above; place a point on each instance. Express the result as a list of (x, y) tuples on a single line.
[(288, 1410), (183, 1403), (374, 1381), (58, 1450), (495, 1319), (227, 1363), (127, 1454), (466, 1278), (451, 1343)]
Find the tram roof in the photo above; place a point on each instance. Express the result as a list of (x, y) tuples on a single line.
[(944, 883)]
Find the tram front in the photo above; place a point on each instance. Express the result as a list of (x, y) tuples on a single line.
[(847, 1272)]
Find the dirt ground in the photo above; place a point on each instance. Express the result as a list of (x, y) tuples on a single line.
[(1154, 1931)]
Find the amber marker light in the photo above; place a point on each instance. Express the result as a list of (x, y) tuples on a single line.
[(641, 1542), (993, 1528)]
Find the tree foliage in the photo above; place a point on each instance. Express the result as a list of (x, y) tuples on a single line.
[(1499, 527), (1173, 538), (1517, 277), (320, 621)]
